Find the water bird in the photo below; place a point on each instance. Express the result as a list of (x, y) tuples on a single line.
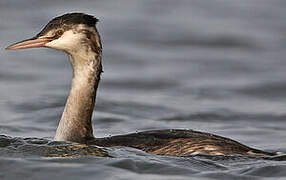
[(76, 34)]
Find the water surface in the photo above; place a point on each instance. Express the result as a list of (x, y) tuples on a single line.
[(215, 66)]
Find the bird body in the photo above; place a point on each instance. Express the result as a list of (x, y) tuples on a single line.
[(76, 34), (177, 142)]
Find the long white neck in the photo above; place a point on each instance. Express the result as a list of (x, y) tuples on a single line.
[(75, 124)]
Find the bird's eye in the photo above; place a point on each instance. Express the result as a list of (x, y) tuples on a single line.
[(59, 33)]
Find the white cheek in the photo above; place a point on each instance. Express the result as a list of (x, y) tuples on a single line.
[(69, 41)]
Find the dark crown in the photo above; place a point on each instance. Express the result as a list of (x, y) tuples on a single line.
[(67, 20)]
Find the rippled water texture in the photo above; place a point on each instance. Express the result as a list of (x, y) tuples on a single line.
[(215, 66)]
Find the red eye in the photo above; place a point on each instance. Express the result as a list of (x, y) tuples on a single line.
[(59, 33)]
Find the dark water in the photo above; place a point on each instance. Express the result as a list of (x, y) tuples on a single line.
[(216, 66)]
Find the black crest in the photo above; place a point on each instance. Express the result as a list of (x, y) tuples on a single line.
[(67, 20)]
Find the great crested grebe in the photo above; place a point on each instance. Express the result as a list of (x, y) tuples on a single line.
[(76, 34)]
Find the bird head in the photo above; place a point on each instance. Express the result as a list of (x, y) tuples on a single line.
[(73, 33)]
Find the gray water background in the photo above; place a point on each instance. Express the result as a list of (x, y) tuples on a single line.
[(215, 66)]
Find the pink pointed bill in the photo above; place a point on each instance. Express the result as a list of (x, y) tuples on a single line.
[(30, 43)]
